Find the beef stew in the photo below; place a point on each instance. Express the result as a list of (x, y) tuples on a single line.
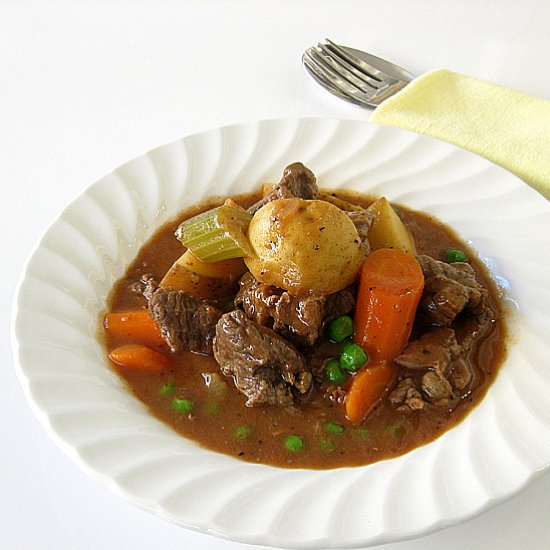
[(265, 372)]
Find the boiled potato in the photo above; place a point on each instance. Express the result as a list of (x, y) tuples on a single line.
[(224, 269), (182, 277), (387, 229), (340, 203), (303, 246)]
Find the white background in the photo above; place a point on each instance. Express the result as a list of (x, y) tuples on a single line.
[(85, 86)]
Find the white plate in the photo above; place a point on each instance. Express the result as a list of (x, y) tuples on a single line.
[(501, 446)]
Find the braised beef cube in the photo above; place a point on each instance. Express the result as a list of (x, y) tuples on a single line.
[(435, 349), (257, 299), (297, 182), (264, 366), (300, 181), (186, 323), (443, 299), (338, 304), (450, 289), (474, 329), (406, 396), (461, 375), (433, 356), (362, 221), (298, 319), (436, 388), (301, 319)]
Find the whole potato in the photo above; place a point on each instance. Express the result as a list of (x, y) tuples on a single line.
[(304, 246)]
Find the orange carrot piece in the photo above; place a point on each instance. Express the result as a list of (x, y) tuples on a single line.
[(390, 288), (367, 387), (140, 358), (135, 326)]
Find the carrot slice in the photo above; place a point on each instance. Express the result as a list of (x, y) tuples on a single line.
[(140, 358), (136, 326), (367, 388), (390, 288)]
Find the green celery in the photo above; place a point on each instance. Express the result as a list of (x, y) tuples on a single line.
[(217, 234)]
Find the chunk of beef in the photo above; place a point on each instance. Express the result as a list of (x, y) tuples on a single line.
[(412, 395), (257, 299), (338, 304), (474, 329), (449, 289), (461, 374), (186, 323), (297, 181), (264, 366), (301, 319), (406, 396), (435, 350), (430, 360), (436, 388), (362, 221)]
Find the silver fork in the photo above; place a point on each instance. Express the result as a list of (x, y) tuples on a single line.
[(358, 77)]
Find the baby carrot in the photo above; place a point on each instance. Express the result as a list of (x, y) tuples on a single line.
[(140, 358), (366, 389), (390, 288), (134, 326)]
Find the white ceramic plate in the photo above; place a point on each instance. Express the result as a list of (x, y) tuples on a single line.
[(501, 446)]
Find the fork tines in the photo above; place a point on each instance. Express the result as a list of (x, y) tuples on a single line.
[(356, 65), (344, 74)]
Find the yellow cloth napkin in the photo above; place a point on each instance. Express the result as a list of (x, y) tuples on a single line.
[(509, 128)]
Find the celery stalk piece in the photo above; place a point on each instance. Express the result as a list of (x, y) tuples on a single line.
[(217, 234)]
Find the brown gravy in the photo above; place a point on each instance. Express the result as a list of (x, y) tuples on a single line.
[(257, 434)]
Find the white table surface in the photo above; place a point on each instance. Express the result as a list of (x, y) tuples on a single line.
[(85, 86)]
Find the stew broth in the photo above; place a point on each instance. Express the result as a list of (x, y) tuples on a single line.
[(257, 434)]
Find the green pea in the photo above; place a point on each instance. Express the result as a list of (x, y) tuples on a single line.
[(294, 443), (362, 431), (348, 342), (168, 389), (454, 255), (327, 445), (340, 328), (211, 408), (353, 357), (395, 429), (334, 427), (334, 373), (182, 406), (243, 432)]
